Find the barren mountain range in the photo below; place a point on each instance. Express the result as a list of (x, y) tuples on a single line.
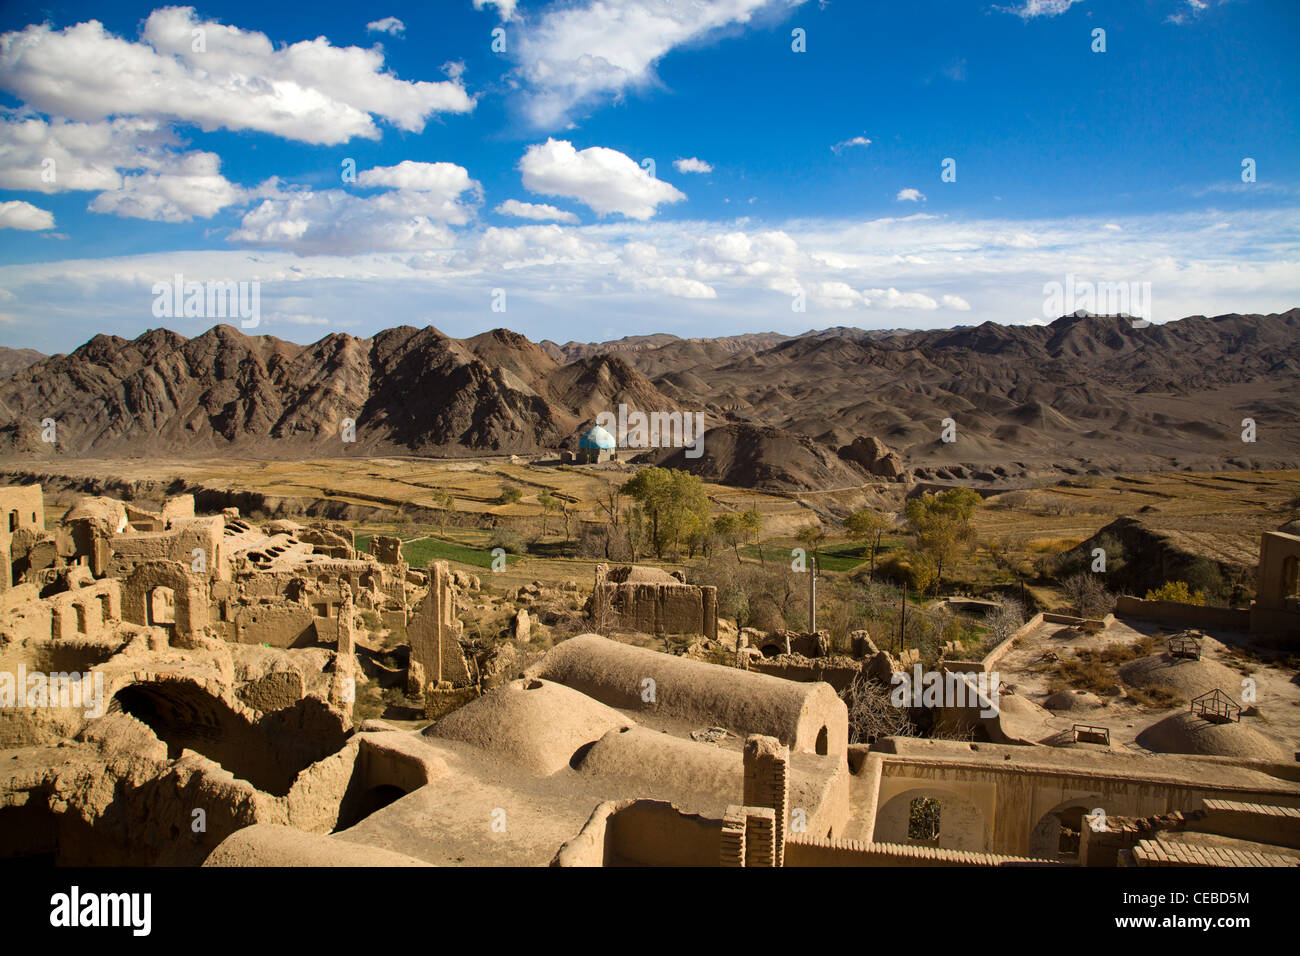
[(831, 408)]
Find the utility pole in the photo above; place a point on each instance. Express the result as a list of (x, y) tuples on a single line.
[(812, 596), (902, 619)]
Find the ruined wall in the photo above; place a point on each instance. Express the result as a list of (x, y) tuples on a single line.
[(275, 624), (1175, 612), (655, 607), (433, 631), (22, 507), (134, 548)]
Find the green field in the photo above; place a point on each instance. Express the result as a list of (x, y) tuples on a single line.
[(420, 551)]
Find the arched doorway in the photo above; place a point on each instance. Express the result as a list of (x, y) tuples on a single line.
[(932, 816), (1058, 832)]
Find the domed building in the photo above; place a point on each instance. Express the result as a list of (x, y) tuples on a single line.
[(596, 445)]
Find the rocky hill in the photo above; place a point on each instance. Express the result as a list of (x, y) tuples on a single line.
[(1084, 394)]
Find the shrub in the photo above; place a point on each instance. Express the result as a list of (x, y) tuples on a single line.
[(508, 541), (1177, 591), (509, 495)]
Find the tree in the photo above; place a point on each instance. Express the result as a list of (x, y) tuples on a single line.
[(751, 523), (446, 505), (811, 537), (1004, 620), (922, 572), (868, 525), (549, 503), (942, 524), (670, 505), (1087, 595), (730, 530), (509, 494)]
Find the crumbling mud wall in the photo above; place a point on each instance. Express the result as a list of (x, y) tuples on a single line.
[(651, 601)]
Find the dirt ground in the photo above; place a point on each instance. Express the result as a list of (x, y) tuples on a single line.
[(1277, 686)]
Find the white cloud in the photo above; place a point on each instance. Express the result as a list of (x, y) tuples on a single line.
[(1040, 8), (534, 210), (678, 287), (1194, 9), (387, 25), (505, 8), (23, 215), (891, 298), (849, 143), (413, 216), (692, 165), (1204, 263), (309, 91), (603, 179), (1113, 227), (446, 178), (192, 186), (574, 55), (910, 195), (59, 156)]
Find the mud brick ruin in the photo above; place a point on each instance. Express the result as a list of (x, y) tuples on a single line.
[(206, 667), (652, 601)]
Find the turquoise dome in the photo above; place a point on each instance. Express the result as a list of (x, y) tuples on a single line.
[(597, 437)]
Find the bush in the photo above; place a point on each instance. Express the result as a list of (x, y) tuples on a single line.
[(1177, 591), (509, 495), (508, 541)]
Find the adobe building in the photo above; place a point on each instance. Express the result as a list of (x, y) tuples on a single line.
[(652, 601)]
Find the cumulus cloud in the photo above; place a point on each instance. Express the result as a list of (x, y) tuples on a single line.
[(692, 165), (677, 286), (1030, 9), (446, 178), (135, 163), (505, 8), (911, 271), (415, 214), (192, 186), (1191, 11), (574, 55), (236, 79), (387, 25), (910, 195), (23, 215), (58, 156), (605, 180), (534, 210), (849, 143), (891, 298)]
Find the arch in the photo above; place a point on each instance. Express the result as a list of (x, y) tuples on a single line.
[(189, 595), (268, 753), (162, 605), (1056, 834), (963, 824)]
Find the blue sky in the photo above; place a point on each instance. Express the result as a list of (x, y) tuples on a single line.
[(634, 166)]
